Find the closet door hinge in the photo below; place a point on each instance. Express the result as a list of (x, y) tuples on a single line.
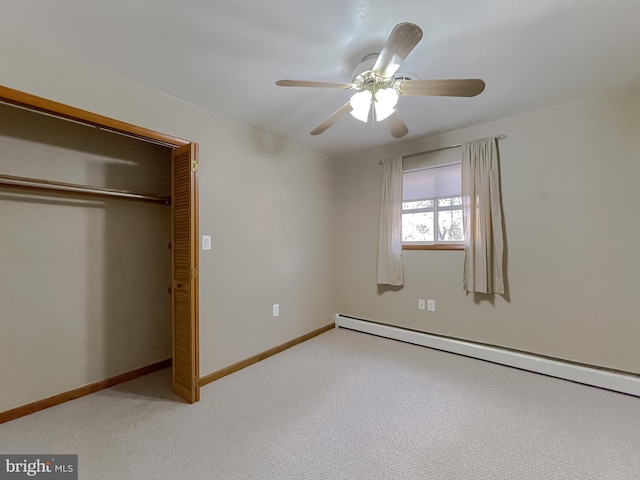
[(194, 273), (194, 166)]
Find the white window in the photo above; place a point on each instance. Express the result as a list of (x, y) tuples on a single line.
[(432, 206)]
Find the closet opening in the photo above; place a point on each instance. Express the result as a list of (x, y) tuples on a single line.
[(100, 254)]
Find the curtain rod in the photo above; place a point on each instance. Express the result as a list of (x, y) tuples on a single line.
[(49, 186), (500, 136)]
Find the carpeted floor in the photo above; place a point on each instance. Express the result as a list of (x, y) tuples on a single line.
[(346, 405)]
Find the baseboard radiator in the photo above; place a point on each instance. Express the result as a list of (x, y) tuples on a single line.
[(610, 380)]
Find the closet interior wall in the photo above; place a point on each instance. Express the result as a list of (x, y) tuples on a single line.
[(83, 281)]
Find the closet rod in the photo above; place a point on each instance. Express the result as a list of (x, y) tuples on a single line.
[(49, 186)]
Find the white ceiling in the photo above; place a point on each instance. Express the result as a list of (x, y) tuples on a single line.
[(225, 55)]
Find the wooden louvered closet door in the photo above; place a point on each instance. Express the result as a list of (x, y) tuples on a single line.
[(184, 240)]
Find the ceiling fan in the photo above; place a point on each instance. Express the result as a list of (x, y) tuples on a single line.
[(375, 84)]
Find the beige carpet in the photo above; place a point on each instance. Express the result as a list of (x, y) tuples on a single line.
[(346, 405)]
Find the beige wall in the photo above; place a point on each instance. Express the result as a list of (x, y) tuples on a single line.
[(570, 190), (83, 283), (265, 202)]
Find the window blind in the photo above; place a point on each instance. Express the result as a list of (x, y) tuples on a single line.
[(432, 182)]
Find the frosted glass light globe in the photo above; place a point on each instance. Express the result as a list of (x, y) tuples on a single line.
[(361, 104)]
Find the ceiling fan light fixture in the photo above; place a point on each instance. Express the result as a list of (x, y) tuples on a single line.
[(386, 100), (378, 80), (361, 104)]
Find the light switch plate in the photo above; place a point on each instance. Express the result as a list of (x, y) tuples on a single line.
[(206, 242)]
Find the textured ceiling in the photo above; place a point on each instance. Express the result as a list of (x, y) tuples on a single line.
[(225, 55)]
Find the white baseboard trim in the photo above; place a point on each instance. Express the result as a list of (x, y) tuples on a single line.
[(618, 382)]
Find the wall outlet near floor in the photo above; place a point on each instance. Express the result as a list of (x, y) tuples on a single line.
[(431, 305), (276, 310), (421, 304)]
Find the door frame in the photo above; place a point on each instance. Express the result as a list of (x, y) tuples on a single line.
[(60, 110)]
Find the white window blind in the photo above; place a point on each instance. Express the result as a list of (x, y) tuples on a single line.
[(433, 182)]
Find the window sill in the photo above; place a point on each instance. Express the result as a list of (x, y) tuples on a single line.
[(441, 246)]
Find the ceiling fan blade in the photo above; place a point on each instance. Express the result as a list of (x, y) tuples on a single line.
[(402, 40), (446, 88), (308, 83), (396, 124), (337, 115)]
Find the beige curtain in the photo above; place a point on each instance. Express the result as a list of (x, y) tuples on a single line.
[(482, 214), (390, 271)]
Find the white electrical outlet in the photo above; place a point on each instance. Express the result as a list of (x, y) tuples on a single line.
[(431, 305), (421, 304), (276, 310), (206, 242)]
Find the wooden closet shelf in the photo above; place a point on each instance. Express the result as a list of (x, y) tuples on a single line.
[(50, 186)]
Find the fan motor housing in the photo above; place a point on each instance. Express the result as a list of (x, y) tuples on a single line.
[(369, 61), (366, 65)]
